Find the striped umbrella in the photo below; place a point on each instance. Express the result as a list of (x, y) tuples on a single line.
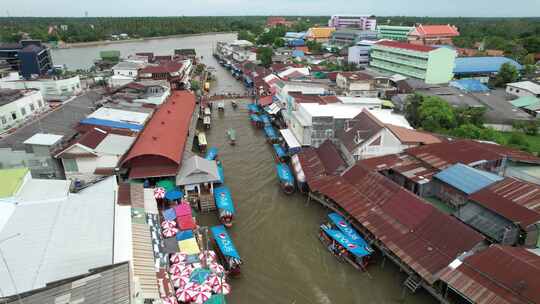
[(201, 297), (174, 269), (178, 258), (168, 224), (184, 295), (169, 232), (179, 281), (169, 300), (217, 268), (212, 280), (223, 288), (159, 192)]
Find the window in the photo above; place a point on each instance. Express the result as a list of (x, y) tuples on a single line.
[(13, 115), (3, 119), (517, 91), (23, 111), (70, 165), (32, 107)]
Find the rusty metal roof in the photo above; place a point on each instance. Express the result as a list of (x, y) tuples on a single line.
[(498, 274), (317, 162)]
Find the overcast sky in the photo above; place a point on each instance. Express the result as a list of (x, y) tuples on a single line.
[(436, 8)]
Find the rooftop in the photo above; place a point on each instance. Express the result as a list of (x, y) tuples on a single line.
[(530, 86), (197, 170), (467, 179), (117, 115), (435, 30), (472, 65), (43, 139), (115, 144), (405, 46)]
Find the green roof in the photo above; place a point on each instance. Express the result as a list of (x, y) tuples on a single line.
[(11, 180), (525, 101)]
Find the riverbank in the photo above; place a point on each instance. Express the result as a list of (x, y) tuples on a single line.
[(111, 42)]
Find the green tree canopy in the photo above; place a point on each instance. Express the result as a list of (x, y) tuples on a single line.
[(264, 54), (314, 46), (507, 74), (436, 114), (279, 42)]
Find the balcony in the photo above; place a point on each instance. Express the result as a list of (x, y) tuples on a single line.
[(413, 62), (396, 68)]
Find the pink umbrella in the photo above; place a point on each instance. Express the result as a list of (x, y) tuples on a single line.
[(169, 300), (201, 297), (223, 288), (178, 257), (184, 295), (169, 232), (210, 256), (159, 192), (168, 224), (204, 287)]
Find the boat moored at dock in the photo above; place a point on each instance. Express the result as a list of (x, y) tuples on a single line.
[(201, 140), (271, 135), (253, 108), (256, 120), (280, 154), (221, 106), (225, 205), (226, 250), (207, 122), (345, 242), (286, 179), (212, 154)]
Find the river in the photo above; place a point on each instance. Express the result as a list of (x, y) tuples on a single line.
[(276, 235)]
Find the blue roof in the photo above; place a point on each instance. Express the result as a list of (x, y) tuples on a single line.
[(467, 179), (173, 194), (111, 124), (348, 230), (297, 53), (224, 241), (169, 214), (270, 132), (212, 153), (472, 65), (341, 238), (284, 173), (223, 198), (279, 150), (470, 85), (184, 235)]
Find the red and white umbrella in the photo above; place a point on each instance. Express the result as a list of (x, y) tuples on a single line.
[(169, 300), (201, 297), (168, 224), (169, 232), (180, 281), (159, 192), (175, 269), (223, 288), (205, 287), (178, 258), (212, 280), (210, 256), (185, 295), (186, 271), (217, 268)]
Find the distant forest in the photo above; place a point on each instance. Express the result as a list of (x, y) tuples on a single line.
[(516, 36)]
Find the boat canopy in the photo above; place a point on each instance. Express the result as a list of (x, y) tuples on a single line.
[(342, 239), (224, 241), (207, 120), (202, 139), (223, 198), (221, 173), (253, 108), (280, 152), (255, 117), (211, 154), (290, 140), (270, 132), (284, 173), (207, 111), (265, 119), (348, 230)]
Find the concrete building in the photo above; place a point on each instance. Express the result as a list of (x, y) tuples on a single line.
[(363, 22), (57, 88), (523, 89), (141, 92), (346, 37), (177, 73), (127, 68), (392, 32), (433, 34), (433, 65), (356, 84), (16, 106), (359, 53), (29, 57)]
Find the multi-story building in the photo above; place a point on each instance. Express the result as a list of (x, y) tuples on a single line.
[(399, 33), (359, 53), (177, 73), (29, 57), (356, 84), (433, 65), (17, 105), (351, 36), (50, 87), (433, 34), (364, 22)]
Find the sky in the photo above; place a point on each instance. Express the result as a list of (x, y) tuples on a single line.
[(434, 8)]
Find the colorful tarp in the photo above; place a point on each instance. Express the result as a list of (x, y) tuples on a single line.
[(346, 242), (166, 184), (173, 194), (189, 246), (284, 173), (185, 222), (223, 198), (184, 235), (169, 214), (270, 132), (224, 241), (280, 152), (212, 153), (183, 209), (348, 230)]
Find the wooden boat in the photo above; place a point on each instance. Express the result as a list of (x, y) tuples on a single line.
[(345, 242), (266, 120), (231, 133), (207, 122), (286, 179), (226, 251), (271, 135), (201, 139), (256, 120), (280, 154), (221, 106), (225, 205)]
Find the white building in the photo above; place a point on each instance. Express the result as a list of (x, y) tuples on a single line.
[(50, 88), (16, 106), (117, 115), (93, 155), (523, 88), (127, 69)]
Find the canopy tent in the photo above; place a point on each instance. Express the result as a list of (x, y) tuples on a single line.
[(211, 154), (348, 230), (224, 241), (166, 184), (346, 242), (280, 152), (185, 222), (169, 214), (189, 246), (270, 132), (197, 170), (290, 140), (183, 209), (184, 235), (284, 173), (174, 194), (223, 198)]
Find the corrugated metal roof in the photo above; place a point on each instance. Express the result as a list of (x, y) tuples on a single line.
[(143, 261), (406, 46), (498, 274), (318, 162), (467, 179), (59, 238), (472, 65)]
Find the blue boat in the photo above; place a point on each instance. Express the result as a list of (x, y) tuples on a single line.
[(220, 172), (344, 242), (225, 205), (266, 120), (226, 249), (253, 108), (211, 154), (286, 179), (271, 134), (256, 120), (281, 155)]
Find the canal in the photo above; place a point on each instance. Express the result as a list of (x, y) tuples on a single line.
[(276, 235)]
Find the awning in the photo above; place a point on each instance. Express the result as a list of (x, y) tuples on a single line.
[(185, 222), (183, 209), (173, 194), (147, 171), (224, 241), (223, 198), (290, 140), (183, 235), (189, 246)]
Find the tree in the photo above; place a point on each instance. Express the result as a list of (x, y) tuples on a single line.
[(470, 115), (519, 141), (195, 85), (412, 105), (468, 131), (246, 35), (314, 46), (508, 73), (436, 114), (279, 42), (264, 55)]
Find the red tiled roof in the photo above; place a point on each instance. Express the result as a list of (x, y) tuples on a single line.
[(164, 137), (364, 124), (516, 200), (164, 67), (90, 139), (408, 136), (445, 30), (498, 274), (406, 46)]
